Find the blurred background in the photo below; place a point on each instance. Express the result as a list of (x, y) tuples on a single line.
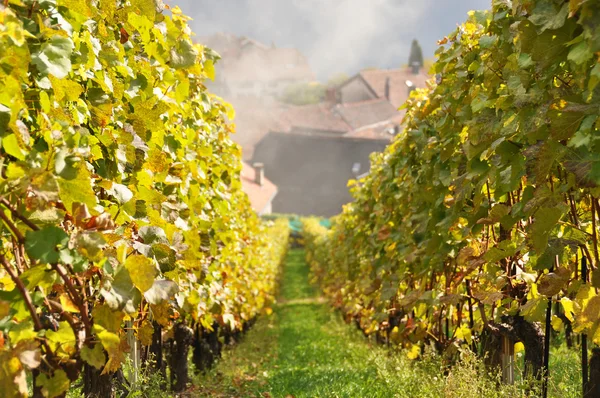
[(317, 86)]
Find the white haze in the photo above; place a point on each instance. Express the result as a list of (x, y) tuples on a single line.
[(336, 35)]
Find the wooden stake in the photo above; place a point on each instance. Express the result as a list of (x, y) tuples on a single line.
[(546, 368), (508, 362), (584, 349)]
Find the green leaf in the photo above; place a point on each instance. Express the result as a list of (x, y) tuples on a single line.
[(44, 245), (183, 54), (151, 235), (165, 256), (54, 57), (580, 53), (487, 41), (122, 294), (547, 16), (545, 221), (563, 125)]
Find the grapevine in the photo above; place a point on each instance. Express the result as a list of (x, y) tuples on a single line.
[(478, 215), (120, 198)]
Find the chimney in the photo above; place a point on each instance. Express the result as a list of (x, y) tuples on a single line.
[(416, 68), (259, 173), (387, 88), (331, 95)]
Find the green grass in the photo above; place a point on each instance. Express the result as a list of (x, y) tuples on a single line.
[(305, 350)]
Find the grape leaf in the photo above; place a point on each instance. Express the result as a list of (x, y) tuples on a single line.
[(43, 245)]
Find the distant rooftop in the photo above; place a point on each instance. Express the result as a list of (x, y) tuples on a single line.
[(260, 195)]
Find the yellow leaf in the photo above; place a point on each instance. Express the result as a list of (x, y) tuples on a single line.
[(519, 347), (144, 333), (107, 318), (78, 6), (567, 305), (161, 313), (63, 341), (414, 352), (10, 143), (557, 323), (67, 304), (65, 89), (142, 271), (209, 68), (78, 189), (94, 356)]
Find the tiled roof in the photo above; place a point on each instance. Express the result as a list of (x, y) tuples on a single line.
[(376, 79), (365, 113), (317, 117), (260, 196)]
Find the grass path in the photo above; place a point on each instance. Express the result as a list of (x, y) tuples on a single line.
[(305, 350)]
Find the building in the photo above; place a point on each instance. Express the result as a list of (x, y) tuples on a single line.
[(314, 150), (312, 171), (393, 85), (259, 189), (249, 68)]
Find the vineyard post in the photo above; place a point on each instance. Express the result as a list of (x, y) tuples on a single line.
[(471, 322), (135, 354), (508, 363), (584, 349), (548, 331)]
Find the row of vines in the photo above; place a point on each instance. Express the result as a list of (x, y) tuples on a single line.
[(477, 226), (123, 223)]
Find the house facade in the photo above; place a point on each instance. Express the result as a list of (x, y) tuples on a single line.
[(312, 171)]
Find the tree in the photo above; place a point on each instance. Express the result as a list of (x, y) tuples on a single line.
[(416, 54)]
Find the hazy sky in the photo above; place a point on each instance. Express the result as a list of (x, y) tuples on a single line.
[(336, 35)]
